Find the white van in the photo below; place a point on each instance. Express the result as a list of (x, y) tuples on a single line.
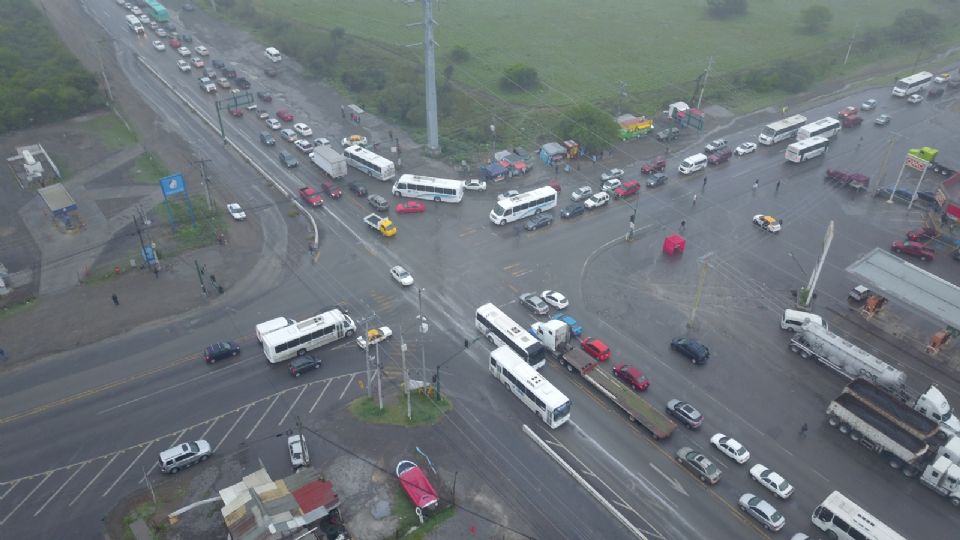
[(792, 319), (272, 325), (135, 25), (272, 54), (693, 164)]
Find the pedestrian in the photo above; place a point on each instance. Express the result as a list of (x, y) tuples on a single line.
[(756, 184), (343, 112), (594, 157), (116, 301), (704, 181), (683, 225), (780, 222), (776, 189), (694, 199), (156, 272), (803, 430), (390, 134)]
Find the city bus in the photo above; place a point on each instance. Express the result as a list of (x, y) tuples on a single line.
[(156, 11), (530, 387), (806, 149), (912, 84), (781, 130), (843, 519), (825, 127), (503, 331), (367, 162), (425, 187), (523, 205), (297, 339)]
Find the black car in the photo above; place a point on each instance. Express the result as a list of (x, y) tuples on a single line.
[(217, 64), (537, 221), (229, 72), (686, 413), (573, 210), (242, 83), (265, 97), (657, 179), (287, 159), (697, 352), (378, 203), (219, 351), (303, 363), (359, 189)]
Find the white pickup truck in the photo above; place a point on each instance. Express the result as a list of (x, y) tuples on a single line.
[(374, 336)]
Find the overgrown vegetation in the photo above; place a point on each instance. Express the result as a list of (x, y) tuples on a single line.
[(519, 78), (40, 81), (725, 9), (424, 410)]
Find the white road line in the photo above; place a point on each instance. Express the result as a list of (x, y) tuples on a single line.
[(229, 431), (318, 397), (94, 479), (15, 482), (155, 463), (347, 386), (125, 471), (254, 428), (32, 491), (292, 405), (204, 434), (59, 489)]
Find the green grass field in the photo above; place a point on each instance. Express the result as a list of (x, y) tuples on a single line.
[(582, 48)]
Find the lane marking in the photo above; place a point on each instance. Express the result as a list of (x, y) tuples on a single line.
[(59, 489), (229, 431), (94, 479), (254, 428), (292, 405), (32, 491), (320, 396), (125, 471), (346, 386)]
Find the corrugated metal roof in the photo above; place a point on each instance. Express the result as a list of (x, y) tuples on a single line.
[(57, 198), (894, 277)]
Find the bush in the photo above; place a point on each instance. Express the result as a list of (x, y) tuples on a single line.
[(815, 19), (364, 80), (459, 54), (519, 77), (726, 9)]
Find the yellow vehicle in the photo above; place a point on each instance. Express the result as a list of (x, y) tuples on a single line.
[(382, 225)]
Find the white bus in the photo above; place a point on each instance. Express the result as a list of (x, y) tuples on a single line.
[(523, 205), (296, 339), (530, 387), (806, 149), (367, 162), (425, 187), (503, 331), (912, 84), (781, 130), (841, 518), (265, 328), (134, 24), (825, 127)]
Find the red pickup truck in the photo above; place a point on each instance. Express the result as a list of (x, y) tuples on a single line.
[(657, 165), (311, 197)]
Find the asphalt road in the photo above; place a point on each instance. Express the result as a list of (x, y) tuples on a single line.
[(628, 293)]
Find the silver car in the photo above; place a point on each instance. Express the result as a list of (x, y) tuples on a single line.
[(762, 511), (581, 193), (534, 303), (299, 453)]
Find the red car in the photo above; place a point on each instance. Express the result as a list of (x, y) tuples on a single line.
[(284, 115), (175, 43), (720, 156), (237, 112), (922, 234), (657, 165), (628, 188), (554, 184), (332, 189), (915, 249), (632, 376), (411, 207), (311, 197), (595, 348)]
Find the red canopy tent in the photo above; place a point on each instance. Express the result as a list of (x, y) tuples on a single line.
[(674, 244)]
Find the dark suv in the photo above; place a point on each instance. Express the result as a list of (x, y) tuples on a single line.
[(686, 413), (219, 351), (378, 203), (303, 363), (697, 352), (359, 189)]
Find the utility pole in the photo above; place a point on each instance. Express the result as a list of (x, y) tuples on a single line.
[(366, 352), (430, 76), (705, 265), (379, 377), (633, 218), (422, 328), (703, 85), (850, 45), (804, 300), (206, 181), (406, 378), (103, 71), (200, 270), (621, 93)]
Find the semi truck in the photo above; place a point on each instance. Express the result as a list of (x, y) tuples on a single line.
[(382, 225), (556, 335), (330, 161), (835, 352)]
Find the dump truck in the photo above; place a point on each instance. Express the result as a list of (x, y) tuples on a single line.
[(330, 161), (556, 335), (380, 224), (896, 411)]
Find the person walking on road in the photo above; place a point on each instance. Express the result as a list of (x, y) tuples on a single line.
[(704, 182), (756, 184), (116, 301), (694, 199), (683, 225), (803, 430), (777, 189)]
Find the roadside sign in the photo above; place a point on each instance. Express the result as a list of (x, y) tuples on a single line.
[(916, 163)]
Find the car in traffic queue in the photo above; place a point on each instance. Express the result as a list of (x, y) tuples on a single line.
[(581, 193), (311, 196), (656, 179), (596, 348), (572, 211), (771, 480), (700, 464), (358, 189), (611, 174), (730, 447), (610, 185), (534, 303), (632, 376), (914, 249), (184, 51), (767, 223), (288, 135), (657, 165), (284, 115), (719, 157), (696, 352), (219, 351), (745, 148), (302, 129), (630, 187), (332, 189), (273, 123), (302, 364), (555, 299), (475, 184), (575, 327), (158, 45), (686, 413), (303, 145), (538, 221), (914, 99), (597, 200), (197, 62), (378, 203), (762, 511), (175, 43), (411, 207), (183, 66), (715, 146), (201, 50)]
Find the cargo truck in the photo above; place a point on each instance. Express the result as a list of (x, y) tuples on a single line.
[(555, 336), (330, 161), (381, 224)]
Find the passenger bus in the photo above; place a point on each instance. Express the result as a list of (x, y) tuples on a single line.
[(523, 205), (134, 24), (425, 187), (825, 127), (266, 327), (806, 149), (841, 518), (912, 84), (297, 339), (367, 162), (503, 331), (536, 392), (156, 11), (781, 130)]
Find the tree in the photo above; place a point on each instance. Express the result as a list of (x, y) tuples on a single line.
[(726, 9), (519, 77), (589, 126), (459, 54), (913, 25), (815, 19)]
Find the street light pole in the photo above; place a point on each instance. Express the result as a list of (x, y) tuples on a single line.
[(421, 330)]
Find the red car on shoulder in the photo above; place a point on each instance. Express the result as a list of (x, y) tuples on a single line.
[(311, 197), (284, 115), (657, 165), (332, 189), (411, 207), (595, 348), (914, 249), (632, 376), (628, 188)]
